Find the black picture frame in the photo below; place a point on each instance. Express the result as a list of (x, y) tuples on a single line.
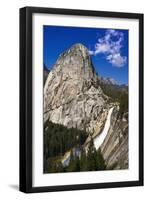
[(26, 97)]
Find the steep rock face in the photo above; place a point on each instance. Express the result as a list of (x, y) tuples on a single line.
[(115, 146), (72, 96), (45, 73)]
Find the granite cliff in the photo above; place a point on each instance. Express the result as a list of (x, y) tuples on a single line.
[(72, 96)]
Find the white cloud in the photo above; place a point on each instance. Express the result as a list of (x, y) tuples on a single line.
[(117, 59), (110, 45), (91, 52), (101, 48)]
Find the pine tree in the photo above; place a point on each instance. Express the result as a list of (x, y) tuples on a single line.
[(100, 161), (83, 161), (91, 157)]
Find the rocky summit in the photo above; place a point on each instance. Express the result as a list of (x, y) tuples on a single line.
[(72, 96)]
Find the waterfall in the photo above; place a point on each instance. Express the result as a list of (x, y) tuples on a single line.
[(98, 140)]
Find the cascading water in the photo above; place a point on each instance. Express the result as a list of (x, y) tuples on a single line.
[(98, 140)]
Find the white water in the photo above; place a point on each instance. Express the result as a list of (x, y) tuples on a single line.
[(98, 140)]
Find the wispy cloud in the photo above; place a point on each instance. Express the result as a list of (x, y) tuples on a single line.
[(110, 45)]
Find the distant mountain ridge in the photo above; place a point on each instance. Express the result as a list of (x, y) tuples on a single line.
[(108, 80)]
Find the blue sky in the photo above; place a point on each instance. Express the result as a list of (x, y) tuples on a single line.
[(108, 48)]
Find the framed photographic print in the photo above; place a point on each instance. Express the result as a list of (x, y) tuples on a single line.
[(81, 99)]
